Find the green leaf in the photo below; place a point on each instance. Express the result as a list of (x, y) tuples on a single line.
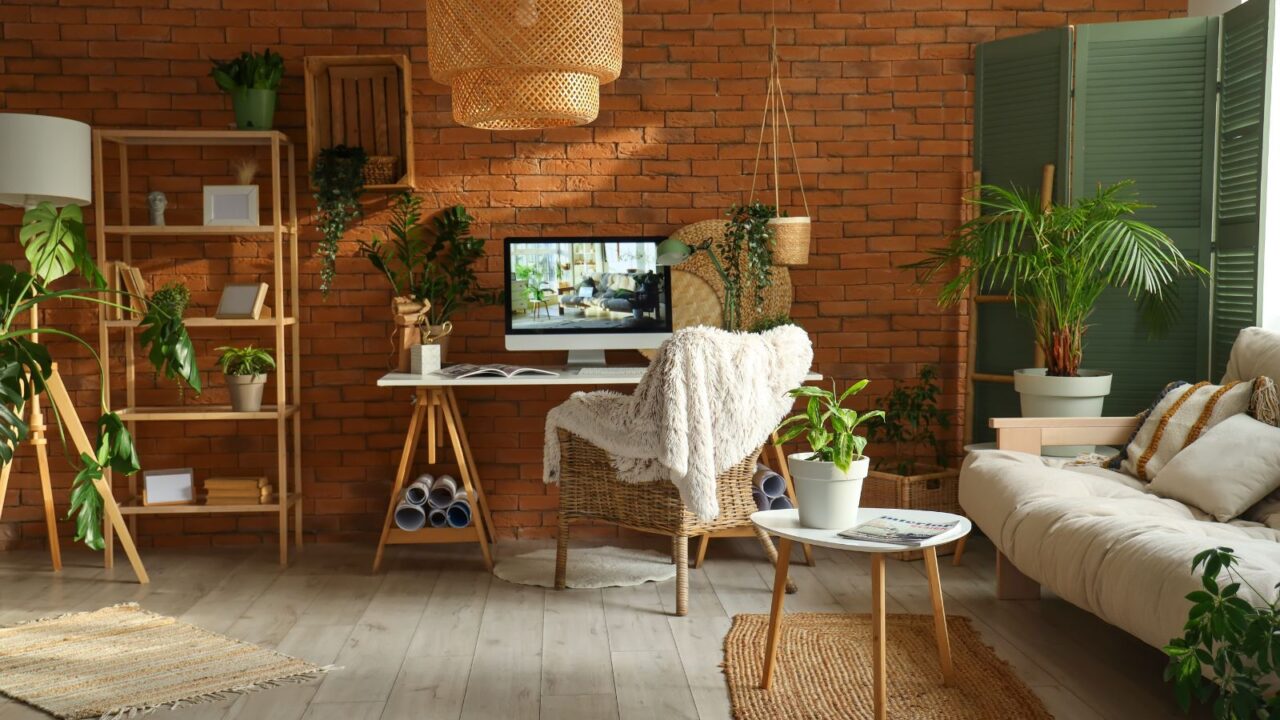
[(86, 503), (54, 243)]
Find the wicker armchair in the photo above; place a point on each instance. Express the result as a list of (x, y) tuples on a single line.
[(589, 489)]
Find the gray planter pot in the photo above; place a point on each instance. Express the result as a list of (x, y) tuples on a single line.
[(1046, 396), (827, 498), (246, 392)]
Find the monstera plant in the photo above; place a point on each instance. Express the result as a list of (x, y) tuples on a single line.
[(54, 244)]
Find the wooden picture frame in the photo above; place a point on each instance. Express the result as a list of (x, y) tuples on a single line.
[(242, 301), (174, 486), (231, 205)]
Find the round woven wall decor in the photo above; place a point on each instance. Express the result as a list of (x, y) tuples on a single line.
[(524, 64)]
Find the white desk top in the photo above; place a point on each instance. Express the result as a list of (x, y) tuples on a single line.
[(786, 523), (567, 376)]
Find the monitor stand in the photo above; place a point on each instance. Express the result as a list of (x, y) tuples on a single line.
[(588, 358)]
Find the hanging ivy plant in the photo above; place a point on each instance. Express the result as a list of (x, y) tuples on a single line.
[(749, 233), (338, 178)]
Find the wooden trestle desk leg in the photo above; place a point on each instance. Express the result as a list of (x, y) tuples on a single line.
[(456, 410), (421, 406), (785, 472), (464, 469)]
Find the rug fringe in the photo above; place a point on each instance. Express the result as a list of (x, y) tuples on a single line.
[(64, 615), (126, 713)]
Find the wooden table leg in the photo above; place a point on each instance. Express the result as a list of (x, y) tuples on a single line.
[(421, 406), (939, 616), (775, 611), (452, 400), (785, 472), (878, 632)]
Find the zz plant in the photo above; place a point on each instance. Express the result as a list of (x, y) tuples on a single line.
[(431, 262), (338, 178), (1238, 641), (54, 244), (828, 426)]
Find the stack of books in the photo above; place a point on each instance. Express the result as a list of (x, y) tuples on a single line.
[(238, 491)]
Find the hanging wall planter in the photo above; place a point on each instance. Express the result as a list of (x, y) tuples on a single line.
[(524, 64), (791, 234)]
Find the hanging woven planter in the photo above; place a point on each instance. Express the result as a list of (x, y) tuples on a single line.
[(791, 234), (524, 64)]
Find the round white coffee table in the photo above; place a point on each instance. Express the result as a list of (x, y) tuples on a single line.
[(786, 525)]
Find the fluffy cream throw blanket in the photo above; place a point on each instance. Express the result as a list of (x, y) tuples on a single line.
[(709, 398)]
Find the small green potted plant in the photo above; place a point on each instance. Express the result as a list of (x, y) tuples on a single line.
[(252, 80), (246, 370), (172, 298), (911, 417), (829, 477)]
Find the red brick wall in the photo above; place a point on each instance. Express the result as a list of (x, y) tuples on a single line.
[(880, 94)]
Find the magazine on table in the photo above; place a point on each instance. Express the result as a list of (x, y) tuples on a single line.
[(896, 530), (466, 370)]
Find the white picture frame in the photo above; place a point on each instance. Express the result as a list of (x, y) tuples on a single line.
[(173, 486), (241, 301), (231, 205)]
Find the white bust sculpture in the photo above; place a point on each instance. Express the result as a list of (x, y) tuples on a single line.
[(156, 202)]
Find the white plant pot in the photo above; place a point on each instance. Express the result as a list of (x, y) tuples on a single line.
[(1050, 396), (827, 498)]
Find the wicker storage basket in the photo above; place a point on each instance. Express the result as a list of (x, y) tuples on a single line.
[(931, 488), (790, 240), (380, 170)]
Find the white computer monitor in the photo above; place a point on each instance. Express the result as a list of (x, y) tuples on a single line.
[(586, 295)]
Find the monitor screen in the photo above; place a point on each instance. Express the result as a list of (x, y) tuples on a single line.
[(586, 286)]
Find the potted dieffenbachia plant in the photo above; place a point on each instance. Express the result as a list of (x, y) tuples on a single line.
[(252, 80), (829, 477), (246, 370), (1056, 262)]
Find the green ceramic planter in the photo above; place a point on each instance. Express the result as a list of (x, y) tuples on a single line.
[(255, 109)]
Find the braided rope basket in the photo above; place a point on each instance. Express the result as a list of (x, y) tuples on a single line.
[(524, 64)]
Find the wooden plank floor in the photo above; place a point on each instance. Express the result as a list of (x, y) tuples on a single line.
[(436, 637)]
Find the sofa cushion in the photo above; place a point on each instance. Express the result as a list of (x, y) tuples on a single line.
[(1182, 415), (1100, 542), (1226, 471), (1256, 352)]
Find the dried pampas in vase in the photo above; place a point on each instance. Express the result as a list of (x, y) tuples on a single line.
[(244, 169)]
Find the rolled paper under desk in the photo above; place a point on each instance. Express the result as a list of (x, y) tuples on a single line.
[(417, 491), (438, 518), (443, 492), (459, 513), (762, 500), (782, 502), (410, 517), (768, 481)]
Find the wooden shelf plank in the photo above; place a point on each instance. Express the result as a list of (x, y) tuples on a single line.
[(431, 536), (133, 508), (181, 230), (191, 413), (206, 322), (194, 137)]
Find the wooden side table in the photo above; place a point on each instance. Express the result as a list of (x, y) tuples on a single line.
[(786, 525)]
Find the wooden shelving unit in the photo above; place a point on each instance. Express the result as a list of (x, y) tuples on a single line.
[(283, 234)]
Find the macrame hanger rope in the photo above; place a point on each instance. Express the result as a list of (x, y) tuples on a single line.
[(771, 108), (795, 157)]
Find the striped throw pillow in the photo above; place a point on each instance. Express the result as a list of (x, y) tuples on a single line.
[(1185, 412)]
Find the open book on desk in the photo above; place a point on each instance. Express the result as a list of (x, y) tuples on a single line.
[(466, 370)]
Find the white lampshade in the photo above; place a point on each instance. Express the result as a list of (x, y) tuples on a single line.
[(44, 159)]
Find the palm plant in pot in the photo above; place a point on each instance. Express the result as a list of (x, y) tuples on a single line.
[(246, 370), (828, 478), (1056, 262)]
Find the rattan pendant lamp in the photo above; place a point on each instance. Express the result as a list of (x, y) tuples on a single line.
[(791, 234), (524, 64)]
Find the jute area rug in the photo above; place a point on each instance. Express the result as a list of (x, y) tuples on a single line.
[(121, 661), (588, 567), (824, 671)]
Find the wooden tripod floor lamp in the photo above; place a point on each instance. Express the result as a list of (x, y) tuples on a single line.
[(47, 159)]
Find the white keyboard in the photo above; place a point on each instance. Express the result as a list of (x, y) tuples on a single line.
[(610, 371)]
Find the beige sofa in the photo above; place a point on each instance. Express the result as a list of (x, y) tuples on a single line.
[(1096, 537)]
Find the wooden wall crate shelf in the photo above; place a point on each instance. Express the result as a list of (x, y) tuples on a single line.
[(280, 236), (362, 101)]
